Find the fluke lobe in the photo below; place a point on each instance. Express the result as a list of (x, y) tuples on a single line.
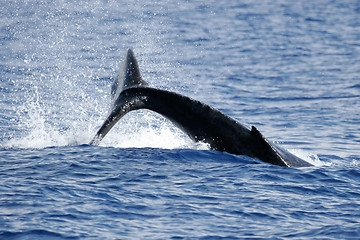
[(199, 121)]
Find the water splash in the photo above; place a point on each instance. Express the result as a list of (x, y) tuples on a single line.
[(41, 125), (309, 157), (64, 68)]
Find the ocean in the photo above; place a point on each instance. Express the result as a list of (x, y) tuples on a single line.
[(290, 68)]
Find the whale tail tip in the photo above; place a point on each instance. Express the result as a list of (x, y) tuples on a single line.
[(128, 76)]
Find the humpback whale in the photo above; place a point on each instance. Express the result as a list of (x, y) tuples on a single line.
[(199, 121)]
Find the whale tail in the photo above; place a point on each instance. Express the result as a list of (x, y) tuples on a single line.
[(128, 77)]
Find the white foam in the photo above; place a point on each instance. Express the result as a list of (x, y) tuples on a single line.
[(146, 129), (309, 157), (355, 163)]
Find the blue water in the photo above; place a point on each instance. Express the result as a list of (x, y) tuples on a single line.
[(291, 68)]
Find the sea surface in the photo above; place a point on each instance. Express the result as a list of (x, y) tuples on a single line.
[(290, 68)]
